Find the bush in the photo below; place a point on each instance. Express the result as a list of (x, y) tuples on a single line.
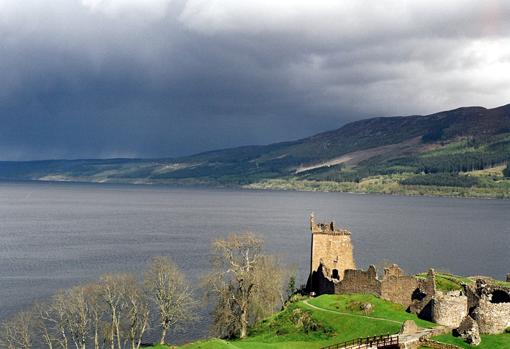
[(506, 171), (442, 180), (303, 319), (364, 307)]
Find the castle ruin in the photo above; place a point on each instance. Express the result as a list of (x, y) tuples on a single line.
[(332, 248), (333, 271)]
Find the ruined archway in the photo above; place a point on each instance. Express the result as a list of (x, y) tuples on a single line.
[(500, 296)]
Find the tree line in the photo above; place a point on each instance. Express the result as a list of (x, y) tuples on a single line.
[(117, 311)]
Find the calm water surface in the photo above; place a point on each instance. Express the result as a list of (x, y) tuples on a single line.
[(57, 235)]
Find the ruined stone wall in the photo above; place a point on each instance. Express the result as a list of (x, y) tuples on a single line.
[(428, 285), (332, 248), (430, 343), (472, 297), (489, 305), (449, 309), (492, 318), (423, 295), (395, 287), (359, 281), (398, 287)]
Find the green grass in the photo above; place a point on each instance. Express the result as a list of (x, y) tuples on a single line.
[(460, 147), (502, 283), (500, 341), (448, 282), (281, 332), (388, 184), (382, 308)]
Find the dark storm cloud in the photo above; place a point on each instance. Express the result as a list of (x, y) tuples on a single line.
[(101, 78)]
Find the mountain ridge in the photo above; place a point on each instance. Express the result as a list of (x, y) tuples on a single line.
[(448, 142)]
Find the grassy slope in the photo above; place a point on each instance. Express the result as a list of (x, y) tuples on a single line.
[(447, 282), (339, 322), (401, 173), (279, 332), (500, 341)]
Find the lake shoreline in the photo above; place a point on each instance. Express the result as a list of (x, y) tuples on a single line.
[(422, 191)]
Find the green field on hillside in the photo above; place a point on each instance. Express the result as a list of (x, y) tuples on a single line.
[(448, 282), (318, 322), (329, 319), (389, 184), (500, 341)]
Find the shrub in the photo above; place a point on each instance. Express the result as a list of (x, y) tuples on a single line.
[(364, 307), (506, 171), (303, 319), (442, 180)]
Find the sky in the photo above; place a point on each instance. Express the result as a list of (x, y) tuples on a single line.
[(165, 78)]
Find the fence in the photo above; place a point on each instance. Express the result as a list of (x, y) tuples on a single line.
[(382, 341)]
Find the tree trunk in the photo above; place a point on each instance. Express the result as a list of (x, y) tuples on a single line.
[(244, 323), (163, 334), (96, 338), (112, 335), (117, 329)]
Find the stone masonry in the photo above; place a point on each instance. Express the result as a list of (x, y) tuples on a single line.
[(332, 270), (398, 287), (492, 318), (489, 305), (332, 248), (449, 309)]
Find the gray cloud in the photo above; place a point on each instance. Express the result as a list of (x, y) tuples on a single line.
[(101, 78)]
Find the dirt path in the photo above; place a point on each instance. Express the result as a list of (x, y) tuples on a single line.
[(349, 314), (403, 338)]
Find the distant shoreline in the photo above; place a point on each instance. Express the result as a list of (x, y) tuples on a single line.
[(294, 186)]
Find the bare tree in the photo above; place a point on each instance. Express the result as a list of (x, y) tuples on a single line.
[(44, 323), (245, 283), (113, 292), (171, 293), (71, 316), (97, 311), (138, 313), (269, 292), (78, 317), (16, 333), (59, 316)]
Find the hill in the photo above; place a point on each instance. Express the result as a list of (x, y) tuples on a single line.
[(332, 319), (460, 152)]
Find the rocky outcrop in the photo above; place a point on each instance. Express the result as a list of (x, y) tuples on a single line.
[(409, 327)]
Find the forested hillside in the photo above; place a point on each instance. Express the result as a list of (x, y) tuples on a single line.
[(466, 149)]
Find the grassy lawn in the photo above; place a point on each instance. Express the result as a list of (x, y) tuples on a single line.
[(382, 308), (500, 341), (281, 331), (448, 282)]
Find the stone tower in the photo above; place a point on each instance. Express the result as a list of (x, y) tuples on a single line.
[(332, 248)]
